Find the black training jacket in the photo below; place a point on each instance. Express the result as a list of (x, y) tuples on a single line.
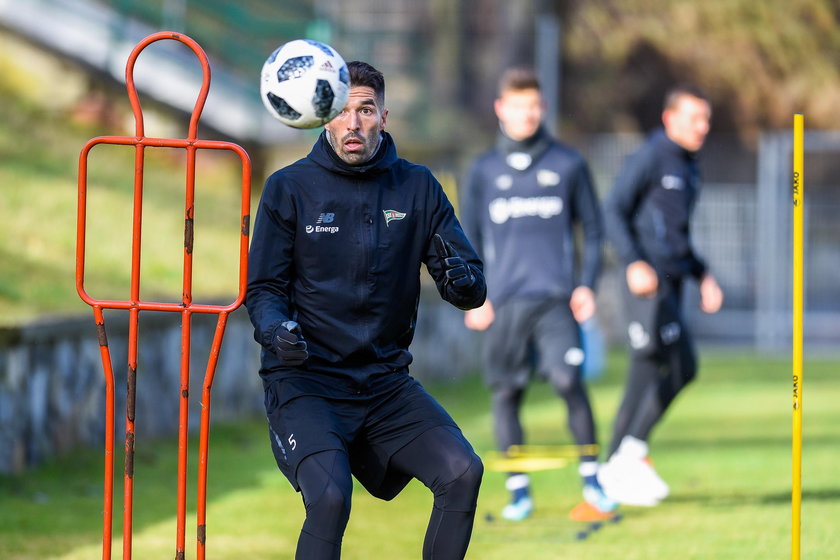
[(338, 249), (649, 209), (522, 219)]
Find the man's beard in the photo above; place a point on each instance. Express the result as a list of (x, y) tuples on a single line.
[(356, 158)]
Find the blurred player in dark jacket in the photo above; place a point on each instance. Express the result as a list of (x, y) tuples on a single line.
[(648, 215)]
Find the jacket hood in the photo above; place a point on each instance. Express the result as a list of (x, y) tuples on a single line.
[(323, 154)]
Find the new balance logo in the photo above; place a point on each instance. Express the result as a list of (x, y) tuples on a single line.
[(323, 218)]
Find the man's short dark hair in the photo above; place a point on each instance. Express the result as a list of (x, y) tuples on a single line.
[(672, 96), (518, 79), (363, 74)]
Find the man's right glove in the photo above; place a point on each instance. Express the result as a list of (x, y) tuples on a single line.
[(289, 345)]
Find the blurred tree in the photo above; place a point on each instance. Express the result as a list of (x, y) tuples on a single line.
[(759, 61)]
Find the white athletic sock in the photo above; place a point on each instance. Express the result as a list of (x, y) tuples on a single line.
[(632, 447), (588, 468), (517, 481)]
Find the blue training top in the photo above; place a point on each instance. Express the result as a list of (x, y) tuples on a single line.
[(519, 205)]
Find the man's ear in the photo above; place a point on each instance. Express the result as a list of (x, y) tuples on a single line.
[(497, 107), (666, 117)]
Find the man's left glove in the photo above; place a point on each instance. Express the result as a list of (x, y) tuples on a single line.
[(457, 270), (288, 344)]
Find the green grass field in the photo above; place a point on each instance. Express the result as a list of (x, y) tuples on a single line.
[(724, 448)]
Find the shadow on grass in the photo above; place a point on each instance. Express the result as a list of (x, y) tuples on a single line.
[(746, 441), (730, 499), (550, 527)]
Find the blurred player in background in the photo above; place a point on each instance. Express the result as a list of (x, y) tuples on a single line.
[(519, 205), (333, 287), (648, 216)]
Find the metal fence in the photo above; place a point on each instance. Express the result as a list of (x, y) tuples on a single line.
[(774, 246), (742, 226)]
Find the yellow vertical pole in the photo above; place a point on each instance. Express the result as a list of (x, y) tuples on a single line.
[(798, 211)]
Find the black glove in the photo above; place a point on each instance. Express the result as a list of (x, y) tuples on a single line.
[(457, 271), (288, 344)]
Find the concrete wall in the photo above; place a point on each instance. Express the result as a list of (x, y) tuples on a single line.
[(52, 386)]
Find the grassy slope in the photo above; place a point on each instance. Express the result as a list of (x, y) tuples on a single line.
[(39, 201), (725, 449)]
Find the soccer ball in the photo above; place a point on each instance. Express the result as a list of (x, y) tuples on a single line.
[(304, 83)]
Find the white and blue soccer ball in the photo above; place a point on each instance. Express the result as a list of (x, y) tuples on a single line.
[(304, 83)]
